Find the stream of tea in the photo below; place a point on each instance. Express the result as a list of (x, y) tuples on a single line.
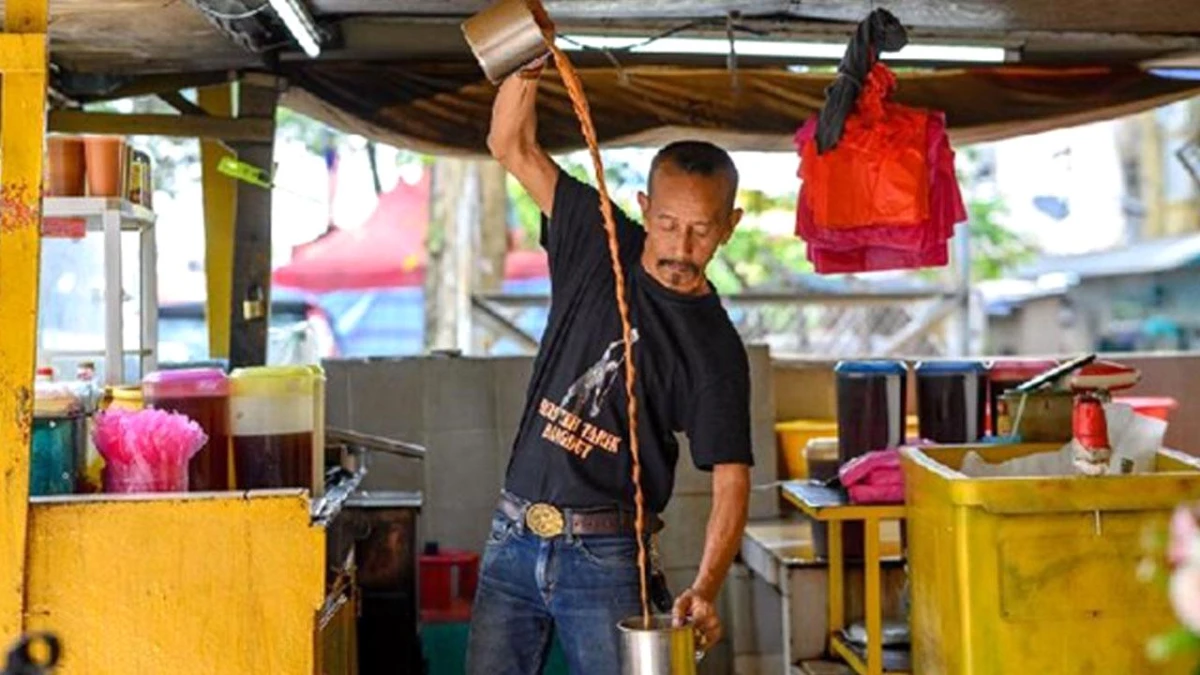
[(579, 101)]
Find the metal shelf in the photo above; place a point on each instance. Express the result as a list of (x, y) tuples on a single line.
[(112, 216), (133, 217)]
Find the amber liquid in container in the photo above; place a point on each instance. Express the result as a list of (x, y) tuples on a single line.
[(202, 394), (209, 469), (273, 460), (272, 424)]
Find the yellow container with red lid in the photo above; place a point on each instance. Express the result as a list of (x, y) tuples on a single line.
[(318, 467), (272, 422)]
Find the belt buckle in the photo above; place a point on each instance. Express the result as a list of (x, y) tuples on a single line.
[(544, 520)]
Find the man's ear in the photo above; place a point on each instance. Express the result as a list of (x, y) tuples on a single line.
[(644, 203), (735, 217)]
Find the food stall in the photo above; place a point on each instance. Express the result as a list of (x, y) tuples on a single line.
[(259, 574)]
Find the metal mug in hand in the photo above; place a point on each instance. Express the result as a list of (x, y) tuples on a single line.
[(505, 38), (660, 649)]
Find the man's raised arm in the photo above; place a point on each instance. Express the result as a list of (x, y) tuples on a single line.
[(513, 138)]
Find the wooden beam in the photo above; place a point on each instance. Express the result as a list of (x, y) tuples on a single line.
[(150, 85), (22, 132), (220, 207), (250, 129), (180, 103), (252, 238)]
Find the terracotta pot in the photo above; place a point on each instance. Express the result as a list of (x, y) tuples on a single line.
[(64, 166), (103, 155)]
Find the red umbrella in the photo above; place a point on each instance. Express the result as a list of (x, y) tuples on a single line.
[(386, 251)]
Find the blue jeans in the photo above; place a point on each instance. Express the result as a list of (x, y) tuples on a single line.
[(530, 589)]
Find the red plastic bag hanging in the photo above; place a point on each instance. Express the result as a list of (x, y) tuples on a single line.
[(880, 246), (878, 173), (946, 206)]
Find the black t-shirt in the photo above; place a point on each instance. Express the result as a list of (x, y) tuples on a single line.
[(692, 372)]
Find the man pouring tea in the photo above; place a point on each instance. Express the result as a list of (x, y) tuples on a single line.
[(561, 558)]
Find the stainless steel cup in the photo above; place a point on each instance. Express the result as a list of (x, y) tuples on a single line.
[(505, 38), (660, 649)]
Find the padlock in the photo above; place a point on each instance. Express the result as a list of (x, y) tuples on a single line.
[(254, 307)]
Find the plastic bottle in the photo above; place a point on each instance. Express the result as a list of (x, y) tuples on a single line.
[(89, 395)]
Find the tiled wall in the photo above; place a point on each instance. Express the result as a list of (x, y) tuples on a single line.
[(465, 411)]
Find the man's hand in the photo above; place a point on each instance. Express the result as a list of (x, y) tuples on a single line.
[(534, 69), (691, 605)]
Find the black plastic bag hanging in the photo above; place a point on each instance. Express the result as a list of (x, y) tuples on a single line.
[(879, 32)]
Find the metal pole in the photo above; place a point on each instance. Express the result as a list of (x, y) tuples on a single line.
[(149, 258), (114, 329), (23, 62), (961, 345)]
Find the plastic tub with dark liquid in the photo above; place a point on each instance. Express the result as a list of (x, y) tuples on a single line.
[(870, 406), (202, 394), (951, 400), (271, 420)]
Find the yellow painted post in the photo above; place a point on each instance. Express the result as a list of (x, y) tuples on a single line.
[(22, 135), (220, 208), (874, 598), (837, 577)]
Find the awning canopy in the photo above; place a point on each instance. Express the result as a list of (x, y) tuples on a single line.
[(400, 70), (446, 108), (386, 251)]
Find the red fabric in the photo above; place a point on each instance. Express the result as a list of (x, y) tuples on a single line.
[(386, 251), (878, 172)]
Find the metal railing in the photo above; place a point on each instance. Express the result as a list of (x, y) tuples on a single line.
[(800, 323)]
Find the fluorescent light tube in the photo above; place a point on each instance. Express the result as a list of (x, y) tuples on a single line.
[(299, 24), (779, 48)]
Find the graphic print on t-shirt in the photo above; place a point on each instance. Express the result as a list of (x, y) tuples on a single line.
[(593, 386), (565, 425)]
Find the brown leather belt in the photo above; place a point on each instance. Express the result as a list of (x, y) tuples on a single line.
[(547, 521)]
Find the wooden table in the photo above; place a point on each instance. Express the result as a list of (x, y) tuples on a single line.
[(831, 507)]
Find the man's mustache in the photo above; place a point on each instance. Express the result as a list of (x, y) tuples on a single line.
[(679, 265)]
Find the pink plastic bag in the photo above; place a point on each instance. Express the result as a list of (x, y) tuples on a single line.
[(146, 450), (885, 477), (877, 494), (860, 468)]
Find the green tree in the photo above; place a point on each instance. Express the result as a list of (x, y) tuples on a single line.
[(995, 250)]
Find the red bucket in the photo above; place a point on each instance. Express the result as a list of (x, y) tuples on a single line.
[(448, 581)]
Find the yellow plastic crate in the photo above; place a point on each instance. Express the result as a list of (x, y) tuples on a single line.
[(1035, 575), (793, 436)]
